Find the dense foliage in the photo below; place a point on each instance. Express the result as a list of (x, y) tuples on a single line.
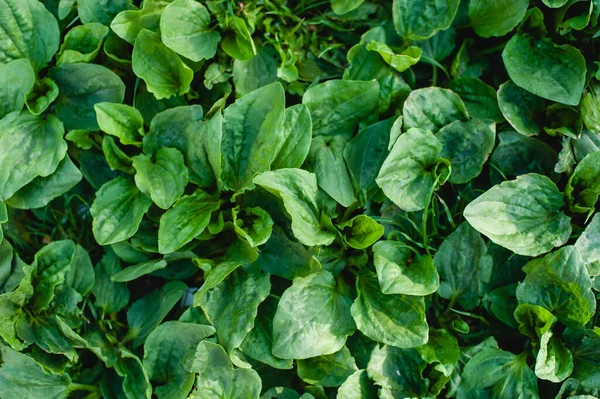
[(299, 198)]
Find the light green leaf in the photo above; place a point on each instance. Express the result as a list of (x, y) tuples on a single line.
[(328, 370), (401, 271), (80, 276), (252, 224), (400, 62), (357, 386), (128, 23), (115, 157), (216, 376), (327, 162), (432, 108), (159, 66), (256, 72), (496, 18), (44, 92), (302, 325), (117, 211), (252, 136), (16, 80), (185, 220), (30, 146), (467, 145), (136, 383), (480, 99), (522, 215), (21, 377), (397, 320), (238, 43), (42, 190), (100, 11), (82, 43), (588, 245), (506, 376), (462, 262), (341, 7), (558, 71), (298, 190), (141, 269), (184, 28), (398, 372), (297, 130), (163, 176), (168, 356), (583, 187), (81, 87), (413, 169), (232, 306), (589, 108), (122, 121), (361, 231), (337, 106), (147, 312), (173, 127), (559, 283), (555, 3), (204, 152), (421, 19), (29, 31)]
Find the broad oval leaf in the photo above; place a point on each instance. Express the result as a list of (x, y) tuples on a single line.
[(398, 372), (159, 66), (117, 211), (328, 370), (421, 19), (17, 78), (302, 326), (545, 69), (122, 121), (327, 162), (522, 215), (522, 109), (433, 108), (496, 18), (583, 187)]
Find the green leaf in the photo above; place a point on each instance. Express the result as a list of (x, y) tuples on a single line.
[(141, 269), (82, 43), (357, 386), (398, 372), (496, 18), (480, 99), (204, 152), (522, 215), (110, 296), (30, 146), (328, 370), (559, 70), (559, 283), (442, 353), (259, 341), (232, 305), (121, 121), (302, 327), (168, 356), (163, 177), (100, 11), (298, 190), (217, 375), (185, 220), (159, 66), (327, 162), (128, 23), (506, 376), (44, 92), (29, 31), (341, 7), (337, 106), (586, 359), (416, 20), (42, 190), (589, 107), (588, 245), (136, 383), (184, 28), (583, 187), (81, 87), (115, 157), (467, 145), (256, 72), (252, 135), (297, 128), (366, 152), (433, 108), (400, 271), (462, 262), (397, 320), (80, 276), (16, 80), (172, 128), (407, 177), (361, 231), (521, 108), (238, 43), (400, 62), (555, 3), (253, 225), (146, 313), (22, 377), (117, 211)]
